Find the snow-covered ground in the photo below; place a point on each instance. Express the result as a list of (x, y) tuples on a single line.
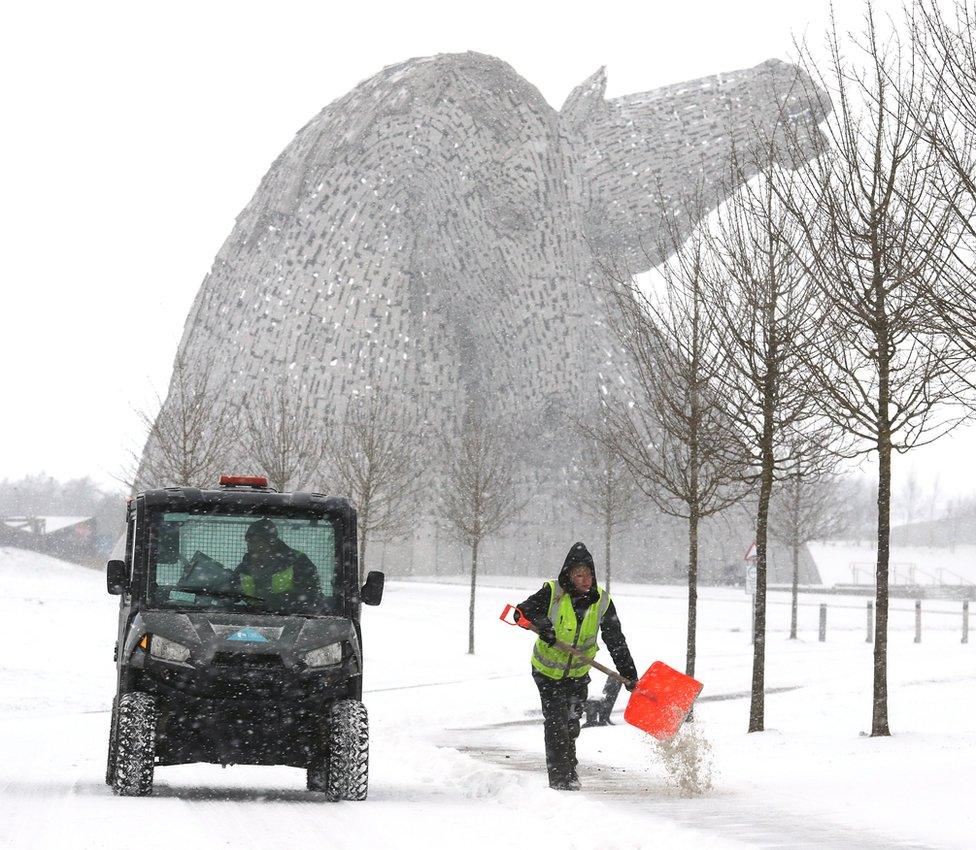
[(457, 742)]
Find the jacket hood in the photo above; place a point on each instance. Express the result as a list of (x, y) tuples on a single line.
[(578, 554)]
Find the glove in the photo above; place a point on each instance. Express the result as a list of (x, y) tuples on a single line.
[(630, 685)]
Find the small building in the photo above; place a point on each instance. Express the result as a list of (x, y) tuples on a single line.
[(72, 538), (779, 565), (913, 571)]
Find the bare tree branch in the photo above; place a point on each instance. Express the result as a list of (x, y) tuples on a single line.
[(605, 490), (808, 505), (192, 439), (374, 458), (479, 494), (947, 47), (283, 436)]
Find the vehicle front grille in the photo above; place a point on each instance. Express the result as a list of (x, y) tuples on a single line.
[(248, 661)]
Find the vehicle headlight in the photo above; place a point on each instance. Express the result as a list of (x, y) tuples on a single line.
[(324, 655), (168, 650)]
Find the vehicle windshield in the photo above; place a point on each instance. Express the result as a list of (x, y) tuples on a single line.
[(243, 562)]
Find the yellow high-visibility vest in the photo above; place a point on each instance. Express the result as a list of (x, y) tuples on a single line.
[(557, 663), (281, 582)]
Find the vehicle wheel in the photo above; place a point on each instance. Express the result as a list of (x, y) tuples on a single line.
[(135, 746), (348, 762), (112, 739)]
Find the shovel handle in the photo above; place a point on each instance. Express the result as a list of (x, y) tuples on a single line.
[(525, 623)]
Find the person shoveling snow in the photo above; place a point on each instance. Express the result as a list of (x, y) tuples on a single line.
[(567, 614), (571, 610)]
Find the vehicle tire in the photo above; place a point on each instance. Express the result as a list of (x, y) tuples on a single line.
[(112, 742), (135, 745), (348, 761)]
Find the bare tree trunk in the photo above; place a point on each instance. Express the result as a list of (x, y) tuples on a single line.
[(690, 649), (691, 646), (795, 507), (795, 589), (607, 532), (757, 705), (879, 713), (474, 579)]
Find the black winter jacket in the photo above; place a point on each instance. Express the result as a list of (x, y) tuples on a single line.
[(306, 590), (536, 608)]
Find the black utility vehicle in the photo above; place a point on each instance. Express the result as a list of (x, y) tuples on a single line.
[(239, 639)]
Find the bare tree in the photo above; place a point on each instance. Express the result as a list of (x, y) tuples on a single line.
[(373, 456), (879, 234), (192, 437), (283, 436), (808, 505), (605, 489), (479, 496), (762, 301), (673, 432)]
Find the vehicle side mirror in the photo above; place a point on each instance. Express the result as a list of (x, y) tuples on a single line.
[(117, 577), (372, 592)]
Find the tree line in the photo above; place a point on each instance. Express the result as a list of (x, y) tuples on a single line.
[(43, 495), (824, 312)]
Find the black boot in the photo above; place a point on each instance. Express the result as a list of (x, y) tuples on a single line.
[(569, 782)]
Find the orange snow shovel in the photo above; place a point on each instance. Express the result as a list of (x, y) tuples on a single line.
[(659, 702)]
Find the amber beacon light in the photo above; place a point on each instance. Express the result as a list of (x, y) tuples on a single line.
[(243, 481)]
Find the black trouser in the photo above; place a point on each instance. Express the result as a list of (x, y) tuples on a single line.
[(562, 707)]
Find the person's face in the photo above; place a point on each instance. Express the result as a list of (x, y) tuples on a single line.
[(581, 578), (258, 545)]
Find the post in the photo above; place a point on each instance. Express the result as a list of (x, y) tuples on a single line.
[(823, 621), (870, 637), (918, 621), (965, 621)]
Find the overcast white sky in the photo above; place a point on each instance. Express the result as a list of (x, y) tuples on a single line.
[(135, 133)]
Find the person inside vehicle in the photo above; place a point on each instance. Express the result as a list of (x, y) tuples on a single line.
[(274, 572), (572, 609)]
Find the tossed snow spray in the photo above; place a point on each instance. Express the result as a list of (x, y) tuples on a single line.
[(687, 760)]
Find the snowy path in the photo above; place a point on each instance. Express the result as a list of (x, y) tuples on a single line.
[(747, 821)]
